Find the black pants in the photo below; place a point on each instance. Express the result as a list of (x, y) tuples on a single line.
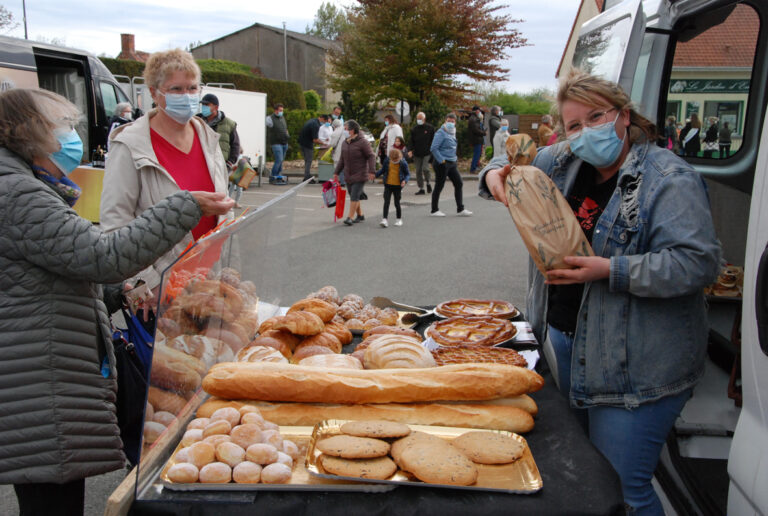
[(725, 150), (389, 191), (449, 170), (51, 499)]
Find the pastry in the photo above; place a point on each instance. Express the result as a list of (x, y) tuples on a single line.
[(252, 418), (432, 460), (480, 330), (284, 458), (215, 473), (191, 436), (285, 337), (200, 422), (377, 429), (261, 453), (394, 330), (246, 472), (389, 316), (333, 361), (290, 448), (221, 290), (276, 473), (351, 447), (230, 454), (268, 324), (322, 309), (201, 453), (354, 300), (308, 351), (371, 323), (235, 342), (164, 400), (163, 417), (183, 473), (347, 311), (272, 342), (261, 354), (300, 323), (340, 331), (397, 351), (325, 338), (220, 426), (246, 435), (231, 415), (152, 431), (477, 354), (216, 439), (472, 307), (379, 468), (272, 436), (489, 447), (354, 324)]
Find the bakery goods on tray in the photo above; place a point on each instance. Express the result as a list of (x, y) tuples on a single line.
[(332, 361), (433, 460), (480, 330), (477, 354), (489, 447), (471, 307), (396, 351)]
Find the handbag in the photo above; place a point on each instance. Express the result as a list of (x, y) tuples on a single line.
[(131, 395), (710, 146), (341, 196), (330, 193), (243, 173)]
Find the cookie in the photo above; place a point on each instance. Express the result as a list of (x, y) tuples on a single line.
[(351, 447), (489, 447), (379, 468), (434, 461), (406, 442), (379, 429)]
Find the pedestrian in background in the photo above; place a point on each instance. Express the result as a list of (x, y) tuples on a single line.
[(387, 139), (278, 136), (444, 158), (400, 145), (500, 139), (337, 139), (545, 130), (358, 163), (308, 137), (710, 138), (123, 115), (724, 141), (396, 175), (225, 127), (324, 135), (419, 142), (690, 136), (494, 122), (476, 137)]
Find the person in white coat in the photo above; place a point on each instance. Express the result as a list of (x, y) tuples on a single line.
[(387, 139), (500, 140)]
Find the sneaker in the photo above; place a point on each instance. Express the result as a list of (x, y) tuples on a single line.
[(384, 223), (312, 180), (399, 222), (437, 213), (464, 213), (363, 196), (420, 192), (429, 188), (359, 218), (348, 221)]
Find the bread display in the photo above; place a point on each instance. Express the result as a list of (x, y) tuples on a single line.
[(309, 351), (325, 338), (489, 447), (432, 460), (476, 331), (397, 351), (340, 331), (279, 344), (322, 309), (279, 382), (299, 323), (388, 329), (478, 354), (332, 361), (261, 354), (473, 307)]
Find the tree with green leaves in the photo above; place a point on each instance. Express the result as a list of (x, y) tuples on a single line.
[(329, 23), (409, 49)]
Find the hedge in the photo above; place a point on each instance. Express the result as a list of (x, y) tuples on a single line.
[(288, 93)]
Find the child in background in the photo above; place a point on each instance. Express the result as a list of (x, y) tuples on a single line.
[(400, 145), (397, 174)]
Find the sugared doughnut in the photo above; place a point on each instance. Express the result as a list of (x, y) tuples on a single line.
[(220, 426), (229, 414), (200, 423), (276, 474), (183, 473), (269, 425), (290, 448), (230, 453), (246, 435), (191, 437), (272, 437), (261, 453), (247, 409), (152, 431), (149, 412), (247, 473), (163, 417), (252, 418), (182, 455), (201, 454), (215, 473), (284, 458), (215, 440)]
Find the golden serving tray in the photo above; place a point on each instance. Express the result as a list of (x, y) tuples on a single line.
[(520, 477), (301, 480)]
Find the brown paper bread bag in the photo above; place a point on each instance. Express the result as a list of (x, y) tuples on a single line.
[(543, 217)]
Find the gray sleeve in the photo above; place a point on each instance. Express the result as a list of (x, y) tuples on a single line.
[(482, 186)]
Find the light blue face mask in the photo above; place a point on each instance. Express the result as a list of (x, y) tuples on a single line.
[(386, 123), (599, 146), (279, 113), (205, 110), (181, 107), (449, 125), (68, 157)]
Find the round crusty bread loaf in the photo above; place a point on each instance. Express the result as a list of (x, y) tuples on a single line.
[(386, 329), (272, 342), (332, 360), (308, 351), (327, 339), (397, 351), (260, 354)]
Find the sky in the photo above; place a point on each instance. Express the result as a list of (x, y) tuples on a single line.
[(158, 25)]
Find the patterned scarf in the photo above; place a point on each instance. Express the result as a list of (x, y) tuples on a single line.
[(66, 188)]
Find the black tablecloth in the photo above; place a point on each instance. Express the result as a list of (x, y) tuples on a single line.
[(576, 480)]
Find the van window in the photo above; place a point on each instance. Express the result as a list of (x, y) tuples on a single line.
[(109, 98), (710, 83), (69, 82)]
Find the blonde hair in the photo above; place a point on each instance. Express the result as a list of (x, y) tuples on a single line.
[(395, 155), (28, 118), (596, 92), (161, 64), (695, 122)]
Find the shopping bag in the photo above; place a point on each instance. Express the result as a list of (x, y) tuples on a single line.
[(243, 173), (341, 196), (329, 193), (543, 217), (327, 156), (131, 396)]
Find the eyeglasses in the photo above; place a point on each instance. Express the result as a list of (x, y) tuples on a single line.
[(595, 118), (180, 90)]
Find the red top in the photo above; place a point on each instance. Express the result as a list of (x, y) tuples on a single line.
[(190, 171)]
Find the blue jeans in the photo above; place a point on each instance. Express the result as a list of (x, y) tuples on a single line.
[(279, 150), (631, 439), (477, 150)]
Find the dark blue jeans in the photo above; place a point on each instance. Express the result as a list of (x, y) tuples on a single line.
[(477, 151), (443, 171), (279, 150)]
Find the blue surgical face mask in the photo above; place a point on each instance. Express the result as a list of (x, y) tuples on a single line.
[(386, 123), (205, 110), (279, 113), (68, 157), (599, 146), (327, 124), (181, 107), (505, 128), (335, 117), (450, 125)]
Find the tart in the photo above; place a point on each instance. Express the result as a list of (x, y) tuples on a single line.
[(481, 330), (473, 307)]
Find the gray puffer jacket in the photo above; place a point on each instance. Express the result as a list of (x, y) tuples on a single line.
[(57, 413)]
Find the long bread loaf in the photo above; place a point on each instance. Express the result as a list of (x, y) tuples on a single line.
[(467, 414), (277, 382)]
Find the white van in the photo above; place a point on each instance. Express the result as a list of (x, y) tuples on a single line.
[(709, 57), (75, 74)]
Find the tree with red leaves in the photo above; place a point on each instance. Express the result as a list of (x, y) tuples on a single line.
[(409, 49)]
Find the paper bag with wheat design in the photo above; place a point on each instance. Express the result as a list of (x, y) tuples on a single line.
[(543, 217)]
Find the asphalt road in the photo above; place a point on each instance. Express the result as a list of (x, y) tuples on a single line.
[(297, 248)]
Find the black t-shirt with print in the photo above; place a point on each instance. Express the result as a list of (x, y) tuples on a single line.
[(587, 200)]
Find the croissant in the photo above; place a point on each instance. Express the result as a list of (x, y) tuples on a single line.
[(309, 351), (300, 323), (340, 331), (271, 342), (326, 339), (285, 337), (397, 351), (220, 289), (268, 324), (322, 309)]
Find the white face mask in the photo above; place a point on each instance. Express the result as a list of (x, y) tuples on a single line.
[(419, 121), (350, 134)]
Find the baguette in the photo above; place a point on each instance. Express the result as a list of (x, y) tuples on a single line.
[(276, 382), (465, 415)]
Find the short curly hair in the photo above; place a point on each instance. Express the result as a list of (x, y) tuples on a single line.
[(28, 119), (161, 64)]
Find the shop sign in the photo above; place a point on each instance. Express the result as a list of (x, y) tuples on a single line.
[(709, 86)]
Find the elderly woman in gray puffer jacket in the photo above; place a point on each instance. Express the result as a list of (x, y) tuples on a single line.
[(57, 365)]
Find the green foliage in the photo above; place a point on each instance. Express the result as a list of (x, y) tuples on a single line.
[(224, 66), (488, 153), (363, 113), (329, 23), (123, 66), (535, 102), (434, 110), (295, 119), (313, 100)]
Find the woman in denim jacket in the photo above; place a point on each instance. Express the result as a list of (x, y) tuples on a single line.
[(625, 331)]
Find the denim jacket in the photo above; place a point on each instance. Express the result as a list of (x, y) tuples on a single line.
[(404, 172), (443, 146), (641, 334)]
